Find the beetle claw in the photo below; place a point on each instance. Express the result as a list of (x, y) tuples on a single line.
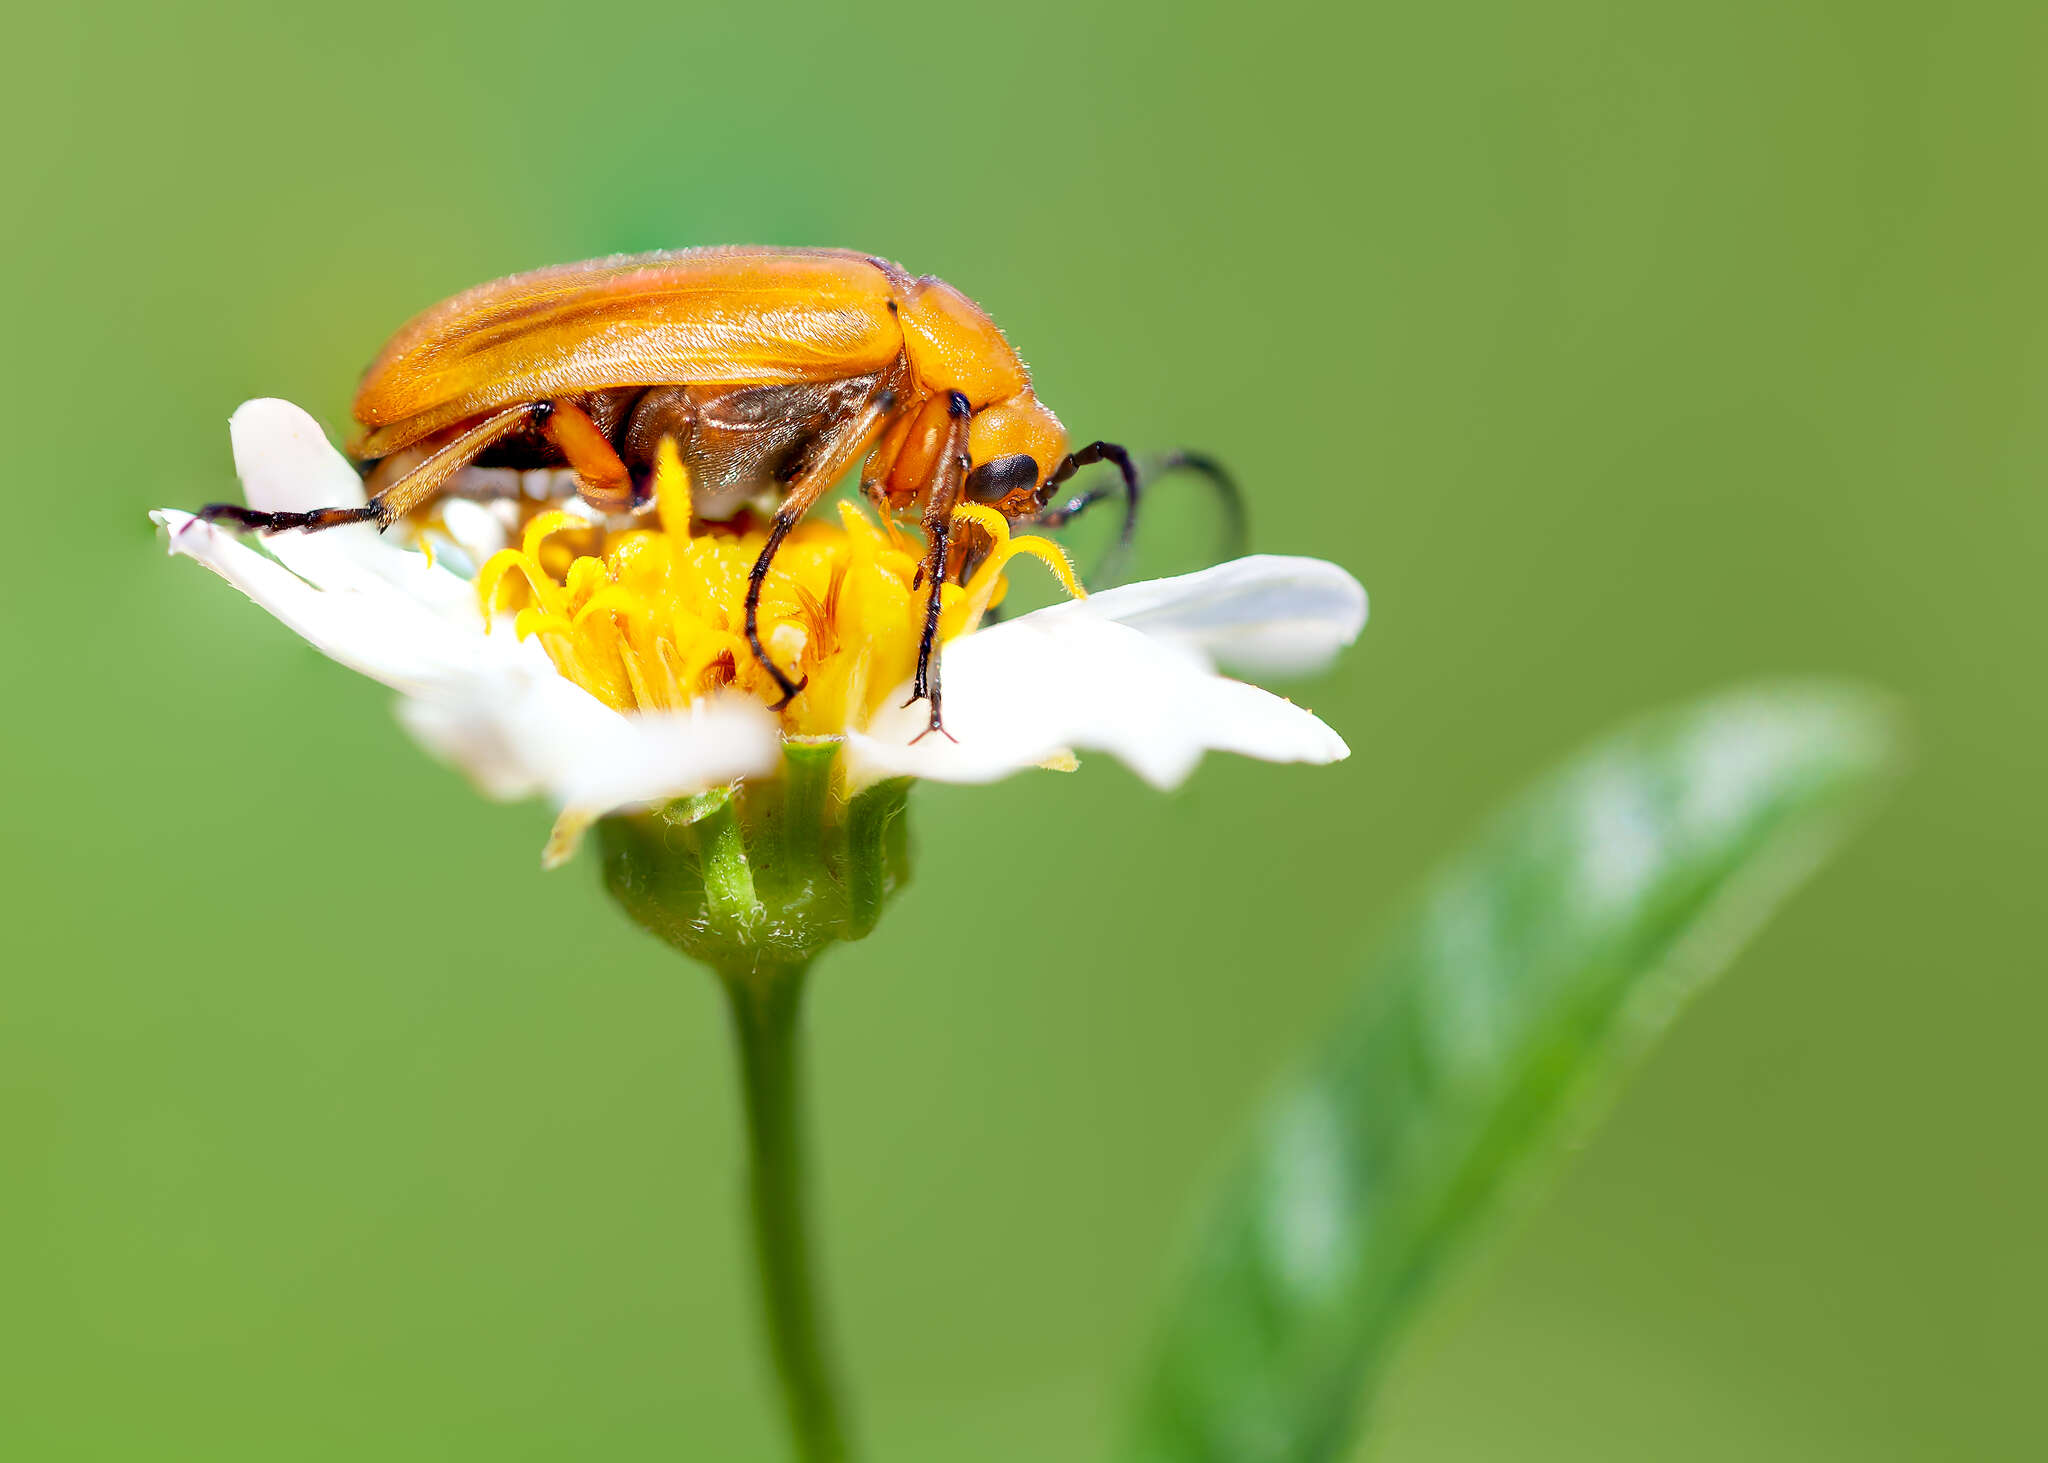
[(937, 724), (789, 692)]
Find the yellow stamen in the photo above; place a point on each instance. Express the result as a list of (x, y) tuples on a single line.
[(544, 525), (650, 618), (981, 589)]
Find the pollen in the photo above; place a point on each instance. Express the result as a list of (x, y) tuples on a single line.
[(654, 618)]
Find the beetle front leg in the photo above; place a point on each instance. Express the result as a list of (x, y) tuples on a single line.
[(395, 501), (938, 528)]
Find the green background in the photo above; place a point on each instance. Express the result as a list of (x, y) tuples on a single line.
[(1623, 350)]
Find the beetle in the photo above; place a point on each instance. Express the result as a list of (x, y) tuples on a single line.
[(774, 370)]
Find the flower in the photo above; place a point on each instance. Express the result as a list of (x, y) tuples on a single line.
[(605, 670)]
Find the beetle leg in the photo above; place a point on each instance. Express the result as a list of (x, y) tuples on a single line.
[(938, 532), (602, 479), (874, 478), (834, 456), (395, 501), (264, 521)]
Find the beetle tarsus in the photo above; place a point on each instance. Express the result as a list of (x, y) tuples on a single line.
[(937, 723), (312, 520)]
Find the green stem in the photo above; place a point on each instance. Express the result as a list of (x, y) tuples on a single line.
[(765, 1004)]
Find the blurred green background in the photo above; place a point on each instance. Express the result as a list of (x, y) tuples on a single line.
[(1623, 350)]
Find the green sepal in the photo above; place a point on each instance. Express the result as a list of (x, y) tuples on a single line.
[(765, 873)]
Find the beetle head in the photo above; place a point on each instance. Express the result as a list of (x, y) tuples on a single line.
[(1013, 445)]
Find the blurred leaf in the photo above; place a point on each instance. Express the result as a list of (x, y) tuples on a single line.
[(1502, 1004)]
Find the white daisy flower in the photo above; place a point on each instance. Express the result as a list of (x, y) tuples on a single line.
[(604, 669)]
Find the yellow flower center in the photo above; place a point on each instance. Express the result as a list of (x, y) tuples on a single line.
[(652, 619)]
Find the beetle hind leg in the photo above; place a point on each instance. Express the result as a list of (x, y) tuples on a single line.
[(312, 520), (394, 501)]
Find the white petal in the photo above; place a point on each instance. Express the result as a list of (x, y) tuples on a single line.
[(495, 705), (387, 636), (285, 463), (1023, 692), (1271, 613), (516, 737), (287, 466), (475, 527)]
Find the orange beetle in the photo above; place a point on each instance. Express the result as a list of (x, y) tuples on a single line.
[(773, 370)]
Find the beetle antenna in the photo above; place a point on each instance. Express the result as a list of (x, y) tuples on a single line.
[(1237, 521), (1088, 456)]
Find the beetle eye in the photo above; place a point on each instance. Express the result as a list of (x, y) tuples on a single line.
[(999, 477)]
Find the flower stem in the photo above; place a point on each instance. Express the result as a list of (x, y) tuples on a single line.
[(765, 1005)]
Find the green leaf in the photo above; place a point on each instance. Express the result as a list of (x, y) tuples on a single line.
[(1500, 1008)]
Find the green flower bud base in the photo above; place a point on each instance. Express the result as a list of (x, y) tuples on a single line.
[(766, 873)]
